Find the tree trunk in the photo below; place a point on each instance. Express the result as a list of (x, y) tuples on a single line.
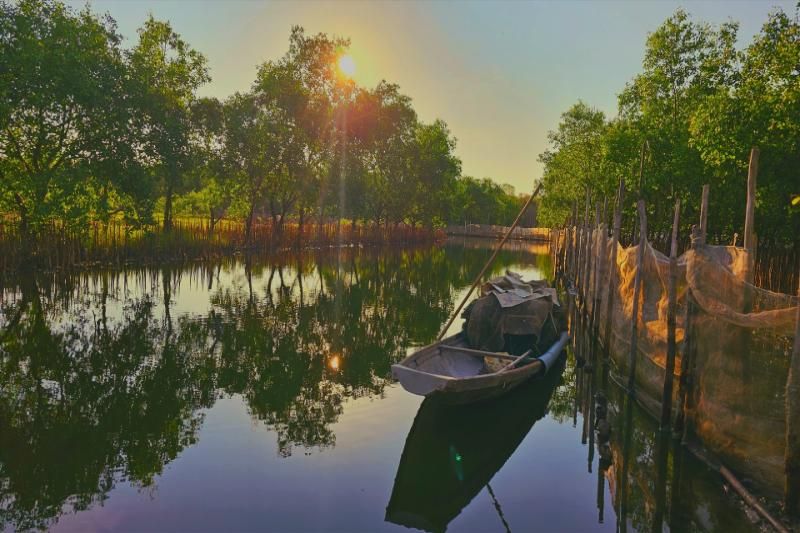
[(211, 222), (248, 225), (168, 208), (300, 223)]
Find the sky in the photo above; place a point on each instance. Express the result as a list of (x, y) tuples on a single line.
[(499, 73)]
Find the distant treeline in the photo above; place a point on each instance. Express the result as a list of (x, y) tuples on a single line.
[(690, 118), (91, 132)]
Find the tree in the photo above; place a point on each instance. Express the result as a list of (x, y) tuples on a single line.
[(62, 112), (211, 194), (435, 169), (168, 72), (382, 128), (761, 108), (573, 162), (251, 153), (684, 63)]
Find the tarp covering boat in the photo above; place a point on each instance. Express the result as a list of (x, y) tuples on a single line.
[(513, 315)]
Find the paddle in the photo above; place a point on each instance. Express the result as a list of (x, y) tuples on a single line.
[(489, 262)]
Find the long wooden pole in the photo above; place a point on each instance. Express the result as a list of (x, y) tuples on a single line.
[(704, 214), (583, 280), (637, 288), (750, 209), (599, 244), (792, 459), (612, 265), (669, 367), (489, 262)]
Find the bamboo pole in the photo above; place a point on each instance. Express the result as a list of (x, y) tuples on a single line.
[(489, 263), (637, 282), (792, 459), (573, 240), (669, 368), (687, 357), (704, 214), (750, 209), (688, 360), (612, 264), (598, 270), (584, 266)]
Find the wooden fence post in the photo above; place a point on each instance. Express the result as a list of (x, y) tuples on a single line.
[(750, 209), (792, 459), (688, 358), (599, 239), (704, 214), (688, 340), (750, 239), (587, 258), (669, 367), (612, 265), (637, 282), (573, 240)]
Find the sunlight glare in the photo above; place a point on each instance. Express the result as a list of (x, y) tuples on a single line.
[(347, 65), (333, 362)]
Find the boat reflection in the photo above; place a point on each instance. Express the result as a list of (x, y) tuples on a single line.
[(451, 453)]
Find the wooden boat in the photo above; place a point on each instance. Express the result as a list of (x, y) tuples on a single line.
[(451, 370), (453, 452)]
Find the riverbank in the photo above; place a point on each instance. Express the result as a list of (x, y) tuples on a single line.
[(116, 244), (498, 232)]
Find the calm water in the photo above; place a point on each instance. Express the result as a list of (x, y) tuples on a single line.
[(256, 395)]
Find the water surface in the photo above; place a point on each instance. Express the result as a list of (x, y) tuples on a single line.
[(255, 394)]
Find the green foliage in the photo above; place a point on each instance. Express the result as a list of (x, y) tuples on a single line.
[(62, 117), (694, 112), (166, 74), (90, 133), (486, 202)]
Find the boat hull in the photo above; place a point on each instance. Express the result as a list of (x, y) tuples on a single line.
[(457, 379)]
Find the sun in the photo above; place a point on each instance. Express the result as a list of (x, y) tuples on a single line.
[(347, 65)]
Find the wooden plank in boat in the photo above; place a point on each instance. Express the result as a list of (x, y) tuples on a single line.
[(472, 351)]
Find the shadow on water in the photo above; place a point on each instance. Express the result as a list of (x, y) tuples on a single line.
[(452, 453)]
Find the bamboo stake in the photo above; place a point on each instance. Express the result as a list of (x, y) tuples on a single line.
[(582, 253), (792, 459), (573, 239), (489, 263), (704, 214), (637, 281), (687, 357), (750, 209), (669, 368), (598, 263), (612, 264), (587, 257)]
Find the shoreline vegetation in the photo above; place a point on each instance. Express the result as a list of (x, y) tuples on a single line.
[(701, 101), (190, 239), (105, 143)]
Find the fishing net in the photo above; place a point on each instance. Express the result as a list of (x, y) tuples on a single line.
[(741, 337)]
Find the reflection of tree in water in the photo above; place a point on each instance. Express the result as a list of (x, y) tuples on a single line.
[(86, 403), (316, 334), (99, 385)]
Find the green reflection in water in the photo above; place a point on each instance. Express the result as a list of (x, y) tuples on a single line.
[(104, 375)]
